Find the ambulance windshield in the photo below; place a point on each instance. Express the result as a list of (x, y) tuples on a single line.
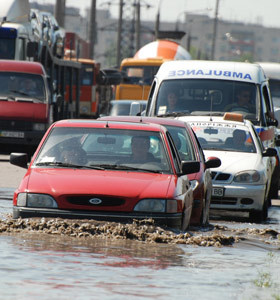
[(207, 97)]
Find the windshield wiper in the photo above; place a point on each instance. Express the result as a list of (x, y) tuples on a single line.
[(67, 165), (175, 114), (124, 167), (29, 99)]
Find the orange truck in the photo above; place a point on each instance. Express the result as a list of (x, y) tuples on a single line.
[(138, 72), (138, 75)]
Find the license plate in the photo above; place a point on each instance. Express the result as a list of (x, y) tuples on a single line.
[(12, 134), (218, 191)]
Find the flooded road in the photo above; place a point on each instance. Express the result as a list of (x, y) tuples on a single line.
[(39, 265)]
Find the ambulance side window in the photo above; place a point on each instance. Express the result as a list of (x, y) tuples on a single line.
[(149, 104)]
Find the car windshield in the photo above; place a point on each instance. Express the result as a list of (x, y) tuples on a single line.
[(7, 48), (104, 148), (225, 137), (22, 85), (143, 75), (207, 97)]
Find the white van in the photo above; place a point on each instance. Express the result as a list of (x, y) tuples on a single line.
[(210, 88), (272, 71)]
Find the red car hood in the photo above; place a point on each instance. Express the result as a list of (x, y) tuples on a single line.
[(58, 182), (23, 110)]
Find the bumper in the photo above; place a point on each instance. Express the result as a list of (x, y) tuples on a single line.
[(241, 198), (30, 138), (170, 220)]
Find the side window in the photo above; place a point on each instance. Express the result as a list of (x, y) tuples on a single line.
[(175, 154), (21, 49), (201, 153)]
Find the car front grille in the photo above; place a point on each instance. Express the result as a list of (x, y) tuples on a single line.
[(15, 125), (224, 200), (98, 201), (217, 176)]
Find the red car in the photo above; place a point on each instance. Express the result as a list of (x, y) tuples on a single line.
[(106, 170), (189, 150)]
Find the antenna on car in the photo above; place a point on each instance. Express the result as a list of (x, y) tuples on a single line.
[(211, 107)]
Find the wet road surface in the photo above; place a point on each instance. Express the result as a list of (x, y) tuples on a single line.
[(36, 265)]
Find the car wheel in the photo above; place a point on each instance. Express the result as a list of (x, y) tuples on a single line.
[(273, 193), (204, 219), (258, 216), (186, 216)]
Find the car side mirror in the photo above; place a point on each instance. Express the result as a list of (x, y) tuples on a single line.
[(189, 167), (19, 159), (269, 152), (272, 123), (212, 162)]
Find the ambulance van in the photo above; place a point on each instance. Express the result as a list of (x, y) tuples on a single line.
[(211, 88)]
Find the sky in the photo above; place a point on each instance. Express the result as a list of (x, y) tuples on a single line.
[(263, 12)]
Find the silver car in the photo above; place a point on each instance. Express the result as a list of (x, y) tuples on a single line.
[(242, 182)]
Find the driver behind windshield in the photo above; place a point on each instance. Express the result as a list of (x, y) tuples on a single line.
[(242, 102)]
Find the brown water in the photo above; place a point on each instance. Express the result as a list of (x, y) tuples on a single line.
[(41, 266)]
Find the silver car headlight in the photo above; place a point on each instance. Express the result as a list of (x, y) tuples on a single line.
[(250, 176), (157, 205), (36, 200)]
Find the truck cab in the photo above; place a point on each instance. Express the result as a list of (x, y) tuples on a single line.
[(25, 104), (138, 75)]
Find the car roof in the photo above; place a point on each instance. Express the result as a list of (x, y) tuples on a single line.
[(141, 119), (133, 125), (203, 69), (203, 122), (21, 66)]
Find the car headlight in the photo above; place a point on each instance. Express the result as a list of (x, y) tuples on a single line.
[(194, 184), (150, 205), (36, 200), (157, 205), (250, 176), (39, 126)]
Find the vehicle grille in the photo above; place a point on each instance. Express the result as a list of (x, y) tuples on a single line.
[(15, 125), (105, 201), (220, 176), (224, 201)]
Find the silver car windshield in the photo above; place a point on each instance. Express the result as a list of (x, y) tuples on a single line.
[(225, 137), (207, 97)]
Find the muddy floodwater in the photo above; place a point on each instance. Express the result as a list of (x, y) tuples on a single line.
[(60, 259)]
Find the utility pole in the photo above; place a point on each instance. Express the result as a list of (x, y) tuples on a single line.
[(119, 33), (138, 25), (92, 28), (215, 30), (59, 12)]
